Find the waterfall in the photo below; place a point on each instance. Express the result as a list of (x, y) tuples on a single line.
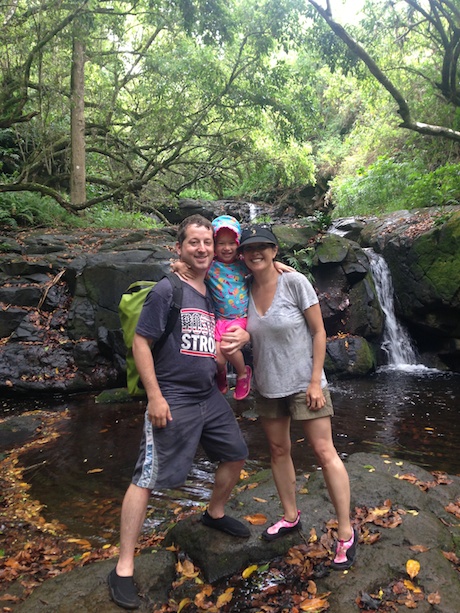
[(254, 210), (396, 343)]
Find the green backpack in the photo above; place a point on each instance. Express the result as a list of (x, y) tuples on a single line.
[(129, 309)]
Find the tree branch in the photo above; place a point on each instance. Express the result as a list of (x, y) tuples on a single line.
[(403, 107)]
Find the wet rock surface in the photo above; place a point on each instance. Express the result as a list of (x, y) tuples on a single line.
[(425, 531), (59, 321), (59, 294)]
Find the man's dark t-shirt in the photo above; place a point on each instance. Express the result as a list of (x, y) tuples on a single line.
[(185, 366)]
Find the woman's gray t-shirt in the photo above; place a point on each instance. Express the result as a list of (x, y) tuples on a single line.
[(281, 340)]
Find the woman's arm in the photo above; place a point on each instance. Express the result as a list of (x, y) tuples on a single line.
[(315, 396), (235, 339)]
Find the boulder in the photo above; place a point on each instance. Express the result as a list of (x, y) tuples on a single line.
[(349, 356)]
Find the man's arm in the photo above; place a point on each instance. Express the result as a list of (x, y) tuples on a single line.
[(280, 267), (157, 407), (182, 269)]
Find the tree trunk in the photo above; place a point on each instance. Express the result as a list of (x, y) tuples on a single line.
[(78, 161)]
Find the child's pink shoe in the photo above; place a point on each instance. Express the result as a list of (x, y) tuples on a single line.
[(243, 386), (221, 379)]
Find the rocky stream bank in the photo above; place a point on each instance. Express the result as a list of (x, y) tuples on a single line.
[(401, 511), (59, 294)]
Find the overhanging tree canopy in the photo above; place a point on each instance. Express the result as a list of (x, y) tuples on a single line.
[(436, 24), (170, 90)]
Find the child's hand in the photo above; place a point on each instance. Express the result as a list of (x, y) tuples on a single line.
[(183, 269), (280, 267)]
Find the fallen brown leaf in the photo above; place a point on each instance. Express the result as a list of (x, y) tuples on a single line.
[(257, 519), (434, 598)]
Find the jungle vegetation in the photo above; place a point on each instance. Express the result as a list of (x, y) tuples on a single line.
[(117, 107)]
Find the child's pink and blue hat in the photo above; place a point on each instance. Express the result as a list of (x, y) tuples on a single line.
[(228, 222)]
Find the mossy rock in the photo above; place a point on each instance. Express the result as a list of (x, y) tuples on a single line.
[(291, 238), (333, 249), (438, 256), (349, 356)]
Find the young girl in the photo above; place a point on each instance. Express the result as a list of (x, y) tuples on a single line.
[(226, 279)]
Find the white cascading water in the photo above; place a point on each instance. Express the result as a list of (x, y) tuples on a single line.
[(253, 211), (396, 342)]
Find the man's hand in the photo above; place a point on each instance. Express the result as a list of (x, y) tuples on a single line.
[(158, 411), (235, 339), (280, 267), (157, 408)]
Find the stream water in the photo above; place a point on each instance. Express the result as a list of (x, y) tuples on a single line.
[(404, 410), (411, 413)]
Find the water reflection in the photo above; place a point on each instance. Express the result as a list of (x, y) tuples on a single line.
[(82, 477), (411, 413)]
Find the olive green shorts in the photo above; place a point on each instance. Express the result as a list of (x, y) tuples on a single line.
[(294, 406)]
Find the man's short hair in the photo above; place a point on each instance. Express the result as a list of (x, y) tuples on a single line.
[(192, 220)]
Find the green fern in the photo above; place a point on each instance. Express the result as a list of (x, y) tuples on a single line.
[(301, 260)]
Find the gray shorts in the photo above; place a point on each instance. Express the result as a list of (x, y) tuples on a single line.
[(294, 406), (166, 454)]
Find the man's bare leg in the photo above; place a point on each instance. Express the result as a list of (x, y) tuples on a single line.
[(132, 517)]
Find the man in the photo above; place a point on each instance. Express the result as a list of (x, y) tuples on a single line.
[(184, 406)]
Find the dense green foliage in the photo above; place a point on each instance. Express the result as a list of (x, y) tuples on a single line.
[(217, 99), (389, 185), (32, 210)]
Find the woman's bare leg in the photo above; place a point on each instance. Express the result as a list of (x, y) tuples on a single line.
[(278, 435), (319, 434)]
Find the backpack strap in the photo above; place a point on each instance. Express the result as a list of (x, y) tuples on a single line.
[(174, 310)]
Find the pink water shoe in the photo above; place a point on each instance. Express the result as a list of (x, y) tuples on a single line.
[(345, 553), (281, 528), (243, 385)]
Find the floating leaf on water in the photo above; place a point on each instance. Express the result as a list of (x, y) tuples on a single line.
[(183, 603), (264, 567), (82, 542), (315, 605), (419, 548), (434, 598), (225, 597)]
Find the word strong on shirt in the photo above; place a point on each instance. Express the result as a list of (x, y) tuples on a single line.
[(197, 330)]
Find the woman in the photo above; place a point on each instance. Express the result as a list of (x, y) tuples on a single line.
[(289, 346)]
